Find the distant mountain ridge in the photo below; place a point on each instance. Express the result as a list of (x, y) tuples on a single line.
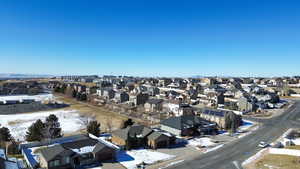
[(17, 75)]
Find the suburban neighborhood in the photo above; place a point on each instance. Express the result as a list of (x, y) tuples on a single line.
[(174, 119), (149, 84)]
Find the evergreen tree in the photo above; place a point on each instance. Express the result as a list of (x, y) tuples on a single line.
[(35, 131), (94, 128), (52, 127), (83, 97), (232, 121), (4, 134), (74, 93), (127, 123)]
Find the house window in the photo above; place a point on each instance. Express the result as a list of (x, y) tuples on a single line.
[(66, 160), (87, 156), (54, 163)]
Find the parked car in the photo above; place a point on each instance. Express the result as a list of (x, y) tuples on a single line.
[(263, 144)]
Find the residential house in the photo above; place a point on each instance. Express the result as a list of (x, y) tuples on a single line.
[(141, 98), (246, 104), (216, 115), (153, 91), (154, 105), (121, 137), (121, 97), (68, 152), (188, 125), (160, 139)]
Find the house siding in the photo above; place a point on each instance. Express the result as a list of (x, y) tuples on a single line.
[(171, 130)]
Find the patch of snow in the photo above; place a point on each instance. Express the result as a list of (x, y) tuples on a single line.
[(18, 124), (130, 159), (39, 97), (84, 150), (283, 151), (202, 142), (214, 148), (103, 140)]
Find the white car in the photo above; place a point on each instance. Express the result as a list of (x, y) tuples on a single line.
[(263, 144)]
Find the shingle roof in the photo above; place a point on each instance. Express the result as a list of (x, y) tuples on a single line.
[(183, 122), (51, 152), (155, 101), (80, 143), (99, 147), (66, 149), (156, 134), (135, 130)]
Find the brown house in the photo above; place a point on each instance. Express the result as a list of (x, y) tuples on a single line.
[(159, 139), (138, 132)]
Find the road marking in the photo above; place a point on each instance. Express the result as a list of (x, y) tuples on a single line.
[(236, 164)]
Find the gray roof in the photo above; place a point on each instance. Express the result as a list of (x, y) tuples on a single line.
[(132, 131), (51, 152), (155, 101), (156, 134), (65, 149), (99, 147), (183, 122)]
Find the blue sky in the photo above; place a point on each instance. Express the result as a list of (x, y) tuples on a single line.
[(150, 37)]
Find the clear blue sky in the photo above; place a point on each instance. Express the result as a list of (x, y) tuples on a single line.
[(150, 37)]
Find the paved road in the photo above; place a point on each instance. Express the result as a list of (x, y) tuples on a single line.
[(231, 155)]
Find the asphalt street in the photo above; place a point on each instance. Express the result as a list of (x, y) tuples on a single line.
[(231, 155)]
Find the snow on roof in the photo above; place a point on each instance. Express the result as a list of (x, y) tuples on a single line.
[(84, 150), (100, 139)]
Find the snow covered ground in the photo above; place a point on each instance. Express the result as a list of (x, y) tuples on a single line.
[(201, 142), (130, 159), (39, 97), (18, 124)]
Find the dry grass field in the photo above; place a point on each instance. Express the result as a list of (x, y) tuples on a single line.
[(278, 162), (109, 120)]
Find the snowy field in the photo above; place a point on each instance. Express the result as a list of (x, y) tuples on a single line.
[(18, 124), (130, 159), (40, 97)]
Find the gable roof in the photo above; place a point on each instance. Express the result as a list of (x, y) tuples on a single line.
[(135, 130), (183, 122), (155, 135), (80, 143), (51, 152)]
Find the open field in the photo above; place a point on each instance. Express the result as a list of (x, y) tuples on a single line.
[(108, 119)]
